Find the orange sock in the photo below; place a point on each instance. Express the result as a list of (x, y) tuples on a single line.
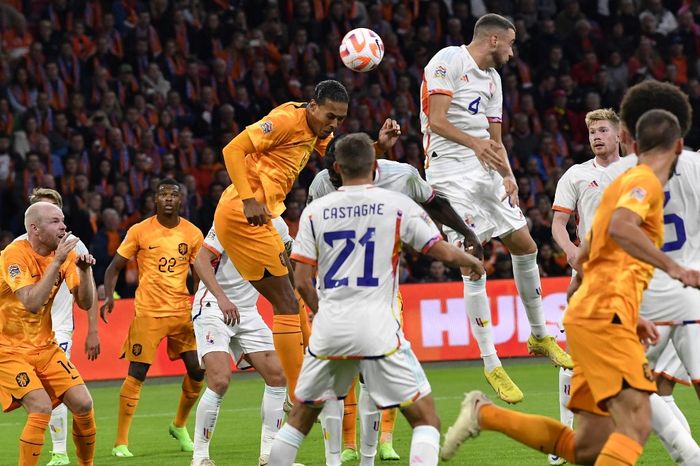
[(128, 400), (619, 450), (388, 421), (350, 418), (289, 344), (303, 320), (190, 393), (32, 439), (538, 432), (84, 437)]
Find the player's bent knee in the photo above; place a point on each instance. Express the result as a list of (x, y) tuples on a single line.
[(218, 384)]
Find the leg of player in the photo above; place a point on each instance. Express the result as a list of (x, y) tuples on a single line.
[(79, 402), (527, 279), (425, 442), (38, 406), (369, 427), (129, 396), (631, 413), (566, 416), (192, 384), (272, 410), (673, 435), (58, 428), (386, 436), (332, 424), (292, 434), (286, 327), (349, 420), (218, 364)]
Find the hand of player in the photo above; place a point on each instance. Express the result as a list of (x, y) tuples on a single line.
[(229, 310), (65, 246), (688, 277), (511, 191), (92, 346), (647, 332), (388, 134), (106, 308), (572, 259), (257, 213), (473, 246), (475, 268), (573, 286), (85, 261), (486, 150)]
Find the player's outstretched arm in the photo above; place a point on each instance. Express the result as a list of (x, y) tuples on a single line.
[(455, 257), (85, 293), (388, 135), (92, 340), (205, 272), (111, 275), (442, 212), (561, 236), (304, 278)]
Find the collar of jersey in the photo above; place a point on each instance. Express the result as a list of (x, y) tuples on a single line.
[(358, 187)]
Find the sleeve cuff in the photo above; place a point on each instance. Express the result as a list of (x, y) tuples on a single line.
[(430, 244), (495, 119), (303, 259), (441, 91), (212, 250), (558, 208)]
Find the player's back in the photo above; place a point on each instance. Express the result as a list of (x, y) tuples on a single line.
[(354, 235), (613, 280), (163, 256)]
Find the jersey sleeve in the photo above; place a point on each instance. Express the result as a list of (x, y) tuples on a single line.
[(304, 248), (420, 190), (441, 74), (417, 229), (565, 197), (319, 186), (17, 268), (130, 245), (273, 130), (494, 109), (639, 193), (212, 243)]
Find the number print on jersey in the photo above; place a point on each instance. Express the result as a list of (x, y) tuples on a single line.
[(474, 105), (166, 265), (677, 223), (366, 241)]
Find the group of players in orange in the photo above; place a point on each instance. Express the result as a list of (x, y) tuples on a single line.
[(263, 161)]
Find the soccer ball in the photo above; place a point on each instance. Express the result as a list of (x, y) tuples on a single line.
[(361, 50)]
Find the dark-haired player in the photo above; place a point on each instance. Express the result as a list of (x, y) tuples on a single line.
[(165, 246)]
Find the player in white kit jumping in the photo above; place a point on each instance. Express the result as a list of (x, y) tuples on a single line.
[(461, 111), (228, 326), (578, 193), (352, 238), (62, 325)]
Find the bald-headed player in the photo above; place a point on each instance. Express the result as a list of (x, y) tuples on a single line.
[(35, 372)]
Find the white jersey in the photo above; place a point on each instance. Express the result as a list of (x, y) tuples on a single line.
[(394, 176), (477, 101), (354, 237), (62, 308), (681, 212), (239, 291), (578, 191)]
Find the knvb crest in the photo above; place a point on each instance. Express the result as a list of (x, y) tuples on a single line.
[(136, 349), (22, 379), (182, 248)]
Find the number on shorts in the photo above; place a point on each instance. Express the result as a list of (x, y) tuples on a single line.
[(678, 224), (67, 366), (474, 106), (365, 241)]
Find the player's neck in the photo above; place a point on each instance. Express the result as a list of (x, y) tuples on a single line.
[(607, 160), (358, 181), (39, 247), (168, 221), (481, 56), (660, 165)]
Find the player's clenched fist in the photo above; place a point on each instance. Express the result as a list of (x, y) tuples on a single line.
[(84, 261), (256, 212), (65, 246)]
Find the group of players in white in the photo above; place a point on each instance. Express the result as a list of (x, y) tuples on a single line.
[(353, 259)]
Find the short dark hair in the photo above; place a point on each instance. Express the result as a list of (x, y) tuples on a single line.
[(168, 182), (329, 160), (492, 21), (657, 129), (355, 154), (330, 90), (649, 95)]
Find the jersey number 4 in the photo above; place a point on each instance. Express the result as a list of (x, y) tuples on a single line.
[(366, 242), (474, 106), (677, 223)]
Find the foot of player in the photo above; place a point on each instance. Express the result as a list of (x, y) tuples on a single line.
[(548, 347), (181, 435), (58, 459), (503, 385), (466, 426)]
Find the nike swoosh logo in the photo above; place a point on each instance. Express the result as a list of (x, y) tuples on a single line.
[(90, 443), (73, 377), (36, 454), (152, 247), (129, 405), (35, 276)]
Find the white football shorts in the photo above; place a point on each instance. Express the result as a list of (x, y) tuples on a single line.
[(670, 367), (683, 341), (394, 381), (65, 341)]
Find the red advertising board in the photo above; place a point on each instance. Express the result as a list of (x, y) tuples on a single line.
[(435, 322)]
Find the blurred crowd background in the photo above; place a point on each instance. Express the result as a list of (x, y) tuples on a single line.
[(102, 99)]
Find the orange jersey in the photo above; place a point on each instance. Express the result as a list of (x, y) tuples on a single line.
[(613, 280), (21, 266), (163, 256), (283, 142)]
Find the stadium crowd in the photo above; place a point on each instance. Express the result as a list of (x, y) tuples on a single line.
[(101, 100)]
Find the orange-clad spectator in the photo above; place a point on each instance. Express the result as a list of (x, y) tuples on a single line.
[(144, 30), (167, 135), (172, 61), (21, 92), (116, 44), (92, 14), (7, 118), (34, 61), (83, 45), (185, 152), (205, 170), (17, 40), (379, 107), (55, 88), (69, 66), (182, 31), (222, 83)]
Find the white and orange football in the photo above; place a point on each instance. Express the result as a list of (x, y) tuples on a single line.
[(361, 50)]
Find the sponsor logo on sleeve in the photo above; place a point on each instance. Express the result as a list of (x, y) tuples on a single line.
[(13, 271), (266, 127), (638, 194), (440, 72)]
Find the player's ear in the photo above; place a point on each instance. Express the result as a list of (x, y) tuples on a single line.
[(634, 148), (336, 168), (679, 146), (626, 140)]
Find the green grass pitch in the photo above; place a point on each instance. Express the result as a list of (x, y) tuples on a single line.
[(237, 436)]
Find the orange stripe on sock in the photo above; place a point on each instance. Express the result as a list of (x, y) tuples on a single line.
[(129, 396), (619, 450)]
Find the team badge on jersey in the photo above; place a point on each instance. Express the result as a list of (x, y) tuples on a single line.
[(440, 72), (638, 194), (136, 349), (209, 338), (182, 248), (22, 379), (648, 373), (13, 271), (266, 127)]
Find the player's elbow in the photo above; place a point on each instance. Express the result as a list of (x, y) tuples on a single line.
[(618, 230), (437, 123)]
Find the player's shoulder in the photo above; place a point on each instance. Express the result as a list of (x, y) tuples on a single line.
[(689, 160), (20, 246), (320, 179), (189, 228), (292, 110), (578, 169), (400, 200), (448, 55), (144, 225)]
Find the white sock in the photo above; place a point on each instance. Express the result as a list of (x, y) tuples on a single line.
[(671, 402), (369, 427), (58, 426), (565, 415), (332, 424), (285, 446), (205, 422), (272, 413), (477, 304), (677, 441), (527, 280), (425, 445)]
